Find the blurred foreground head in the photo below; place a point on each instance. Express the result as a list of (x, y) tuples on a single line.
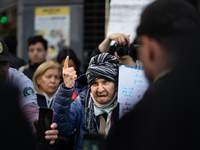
[(174, 25)]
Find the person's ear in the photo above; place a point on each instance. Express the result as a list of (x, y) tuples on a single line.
[(150, 48), (38, 80)]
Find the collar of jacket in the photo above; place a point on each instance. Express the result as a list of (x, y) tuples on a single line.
[(163, 73)]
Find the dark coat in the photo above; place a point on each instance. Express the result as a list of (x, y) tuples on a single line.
[(168, 117)]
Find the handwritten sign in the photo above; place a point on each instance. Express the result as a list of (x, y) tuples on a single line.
[(132, 86)]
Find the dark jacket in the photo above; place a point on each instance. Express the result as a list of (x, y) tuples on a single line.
[(166, 118)]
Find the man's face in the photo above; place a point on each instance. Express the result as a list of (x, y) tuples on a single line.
[(103, 90), (4, 66), (37, 53)]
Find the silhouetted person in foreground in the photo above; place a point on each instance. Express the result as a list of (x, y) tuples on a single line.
[(26, 95), (16, 132), (168, 115)]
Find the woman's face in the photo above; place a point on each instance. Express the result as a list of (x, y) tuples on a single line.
[(103, 90), (49, 81)]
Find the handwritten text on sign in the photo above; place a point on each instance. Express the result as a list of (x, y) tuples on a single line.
[(132, 86)]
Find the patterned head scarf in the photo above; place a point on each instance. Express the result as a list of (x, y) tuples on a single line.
[(103, 66)]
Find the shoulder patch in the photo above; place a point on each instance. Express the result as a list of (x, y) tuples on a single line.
[(28, 91)]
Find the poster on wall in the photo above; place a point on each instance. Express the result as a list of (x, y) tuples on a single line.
[(53, 23), (124, 16), (131, 87)]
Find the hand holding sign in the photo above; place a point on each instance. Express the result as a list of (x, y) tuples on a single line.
[(69, 74)]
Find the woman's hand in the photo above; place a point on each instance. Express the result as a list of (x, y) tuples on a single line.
[(69, 74)]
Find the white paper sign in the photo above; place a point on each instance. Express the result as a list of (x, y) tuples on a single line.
[(132, 86), (124, 16)]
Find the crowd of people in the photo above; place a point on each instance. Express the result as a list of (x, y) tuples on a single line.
[(167, 117)]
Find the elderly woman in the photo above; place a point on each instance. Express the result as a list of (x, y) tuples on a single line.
[(46, 80), (93, 111)]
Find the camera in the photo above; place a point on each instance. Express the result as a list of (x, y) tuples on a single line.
[(123, 50)]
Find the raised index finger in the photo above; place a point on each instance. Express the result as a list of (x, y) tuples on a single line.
[(66, 62)]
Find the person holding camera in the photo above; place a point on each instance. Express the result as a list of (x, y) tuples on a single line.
[(121, 46)]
